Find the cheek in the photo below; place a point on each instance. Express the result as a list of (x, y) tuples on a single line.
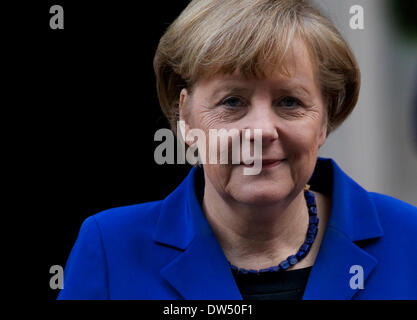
[(215, 124), (301, 148), (302, 141), (219, 176), (214, 118), (302, 145), (207, 119)]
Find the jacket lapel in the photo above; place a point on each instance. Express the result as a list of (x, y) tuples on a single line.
[(353, 218), (201, 270), (330, 277)]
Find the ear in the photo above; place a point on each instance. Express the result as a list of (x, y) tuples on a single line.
[(184, 115), (323, 132), (182, 103)]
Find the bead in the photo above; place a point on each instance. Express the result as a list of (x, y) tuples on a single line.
[(274, 269), (309, 239), (313, 220), (300, 254), (311, 234), (284, 265), (305, 248), (243, 271), (251, 271), (234, 268), (313, 211), (310, 198), (312, 229), (265, 270), (311, 203), (292, 260)]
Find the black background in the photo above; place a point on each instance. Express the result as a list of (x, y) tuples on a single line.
[(86, 107), (80, 123)]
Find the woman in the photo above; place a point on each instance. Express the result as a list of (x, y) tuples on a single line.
[(281, 67)]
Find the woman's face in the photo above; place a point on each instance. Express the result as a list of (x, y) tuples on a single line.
[(291, 113)]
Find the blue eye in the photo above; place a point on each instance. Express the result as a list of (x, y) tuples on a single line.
[(233, 102), (290, 102)]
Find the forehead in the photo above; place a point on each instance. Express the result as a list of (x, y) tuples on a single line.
[(296, 70)]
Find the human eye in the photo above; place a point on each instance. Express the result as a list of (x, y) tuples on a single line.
[(233, 102), (290, 102)]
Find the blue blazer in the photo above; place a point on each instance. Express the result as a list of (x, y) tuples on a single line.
[(167, 250)]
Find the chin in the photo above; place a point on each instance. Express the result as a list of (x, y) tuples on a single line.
[(262, 195)]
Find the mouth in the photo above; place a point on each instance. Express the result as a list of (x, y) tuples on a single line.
[(266, 163)]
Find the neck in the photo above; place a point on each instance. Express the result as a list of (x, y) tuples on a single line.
[(255, 237)]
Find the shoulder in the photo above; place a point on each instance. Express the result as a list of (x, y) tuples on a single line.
[(389, 205), (127, 220), (394, 213), (103, 241)]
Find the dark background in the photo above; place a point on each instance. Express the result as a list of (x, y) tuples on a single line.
[(87, 110), (82, 116)]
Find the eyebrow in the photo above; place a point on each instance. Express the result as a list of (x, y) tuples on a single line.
[(282, 89), (234, 89), (298, 89)]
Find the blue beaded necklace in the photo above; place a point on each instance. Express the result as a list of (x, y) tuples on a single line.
[(305, 247)]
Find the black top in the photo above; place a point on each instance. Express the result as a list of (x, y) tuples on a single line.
[(282, 285)]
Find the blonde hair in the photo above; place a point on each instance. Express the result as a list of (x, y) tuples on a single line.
[(220, 36)]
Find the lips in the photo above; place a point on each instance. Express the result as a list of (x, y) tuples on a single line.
[(266, 163), (269, 163)]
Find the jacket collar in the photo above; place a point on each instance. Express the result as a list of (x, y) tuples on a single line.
[(182, 225), (353, 212), (182, 218), (201, 272), (353, 218)]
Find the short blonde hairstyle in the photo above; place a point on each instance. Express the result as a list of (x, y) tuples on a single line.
[(253, 36)]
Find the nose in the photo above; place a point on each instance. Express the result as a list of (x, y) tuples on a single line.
[(261, 116)]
